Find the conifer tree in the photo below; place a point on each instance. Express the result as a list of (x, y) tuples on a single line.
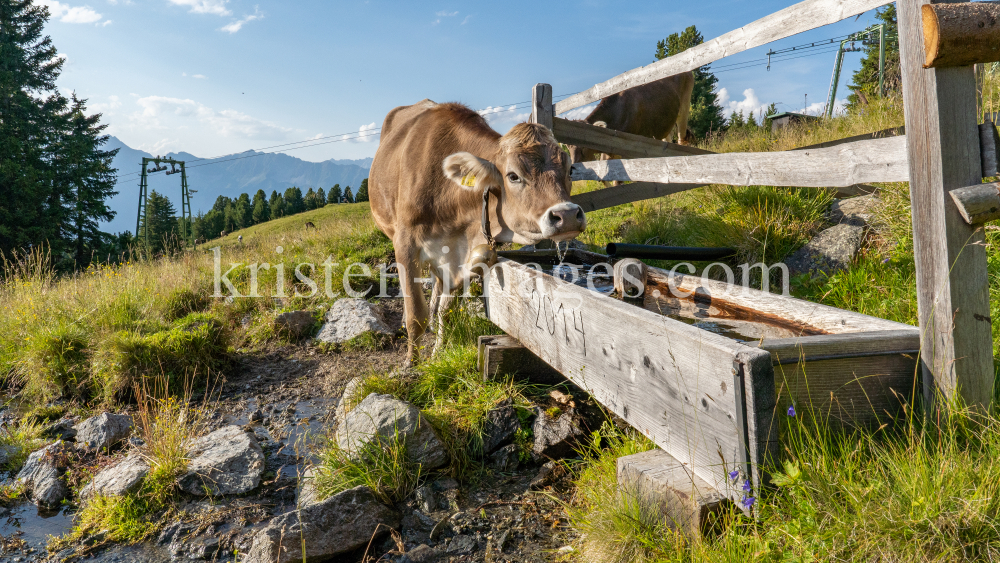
[(310, 200), (161, 217), (348, 196), (706, 113), (335, 194), (864, 82), (294, 203), (320, 197), (362, 191), (261, 208)]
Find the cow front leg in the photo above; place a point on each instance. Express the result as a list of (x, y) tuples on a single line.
[(414, 304), (445, 301), (435, 326)]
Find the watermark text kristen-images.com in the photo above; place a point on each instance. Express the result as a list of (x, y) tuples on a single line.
[(305, 272)]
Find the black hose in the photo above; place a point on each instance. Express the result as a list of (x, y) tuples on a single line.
[(654, 252)]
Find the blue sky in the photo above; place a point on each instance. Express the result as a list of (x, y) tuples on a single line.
[(214, 77)]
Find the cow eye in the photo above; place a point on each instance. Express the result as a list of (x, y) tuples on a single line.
[(513, 177)]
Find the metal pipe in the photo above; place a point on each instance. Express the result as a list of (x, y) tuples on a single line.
[(654, 252)]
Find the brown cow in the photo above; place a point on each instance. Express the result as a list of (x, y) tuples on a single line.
[(657, 110), (426, 186)]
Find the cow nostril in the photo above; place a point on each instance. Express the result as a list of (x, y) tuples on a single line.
[(579, 214), (554, 218)]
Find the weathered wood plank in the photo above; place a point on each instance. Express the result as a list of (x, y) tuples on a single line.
[(952, 283), (989, 145), (798, 315), (978, 204), (876, 160), (891, 132), (541, 105), (795, 19), (624, 145), (961, 34), (675, 383), (502, 355), (627, 193), (666, 485), (855, 379)]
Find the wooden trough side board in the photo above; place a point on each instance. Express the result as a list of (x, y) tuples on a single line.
[(876, 160), (852, 369), (681, 386)]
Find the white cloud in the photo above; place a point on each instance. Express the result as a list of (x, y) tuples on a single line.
[(238, 24), (580, 112), (365, 134), (466, 20), (199, 76), (113, 103), (750, 104), (70, 14), (444, 14), (502, 119), (105, 23), (217, 7), (159, 112)]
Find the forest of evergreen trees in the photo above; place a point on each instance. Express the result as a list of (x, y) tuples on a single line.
[(55, 179)]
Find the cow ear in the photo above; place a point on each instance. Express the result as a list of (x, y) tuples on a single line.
[(471, 172), (600, 124)]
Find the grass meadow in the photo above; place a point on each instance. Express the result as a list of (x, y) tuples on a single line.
[(148, 332)]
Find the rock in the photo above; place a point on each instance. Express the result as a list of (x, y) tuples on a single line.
[(256, 416), (339, 524), (226, 462), (462, 545), (171, 531), (555, 438), (501, 426), (103, 431), (831, 250), (426, 498), (550, 474), (423, 553), (506, 459), (42, 475), (122, 478), (203, 549), (295, 323), (349, 399), (60, 430), (349, 318), (8, 452), (384, 416), (307, 494), (857, 211)]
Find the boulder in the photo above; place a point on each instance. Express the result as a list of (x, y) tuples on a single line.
[(295, 323), (339, 524), (103, 431), (501, 426), (555, 438), (226, 462), (857, 211), (60, 430), (349, 318), (349, 399), (120, 479), (831, 250), (384, 416), (550, 474), (42, 475), (423, 553)]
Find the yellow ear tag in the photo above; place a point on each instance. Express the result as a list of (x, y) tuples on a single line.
[(469, 180)]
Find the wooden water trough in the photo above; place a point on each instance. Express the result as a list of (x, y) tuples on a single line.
[(705, 368)]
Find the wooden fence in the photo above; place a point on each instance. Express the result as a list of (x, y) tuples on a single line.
[(944, 155)]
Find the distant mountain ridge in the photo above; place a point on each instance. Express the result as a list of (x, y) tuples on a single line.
[(229, 175)]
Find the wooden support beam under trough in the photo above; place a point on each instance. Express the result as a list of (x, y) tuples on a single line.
[(961, 34), (978, 204), (609, 141), (875, 160), (503, 355)]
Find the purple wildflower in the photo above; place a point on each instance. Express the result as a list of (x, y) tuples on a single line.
[(734, 474), (886, 261), (747, 502), (791, 410), (746, 486)]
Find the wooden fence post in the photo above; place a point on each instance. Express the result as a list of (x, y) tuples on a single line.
[(541, 105), (952, 281)]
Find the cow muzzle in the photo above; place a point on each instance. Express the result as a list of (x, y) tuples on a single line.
[(562, 221)]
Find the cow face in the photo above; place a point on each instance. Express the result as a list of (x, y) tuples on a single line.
[(531, 176)]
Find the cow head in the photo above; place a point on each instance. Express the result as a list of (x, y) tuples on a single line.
[(530, 175)]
